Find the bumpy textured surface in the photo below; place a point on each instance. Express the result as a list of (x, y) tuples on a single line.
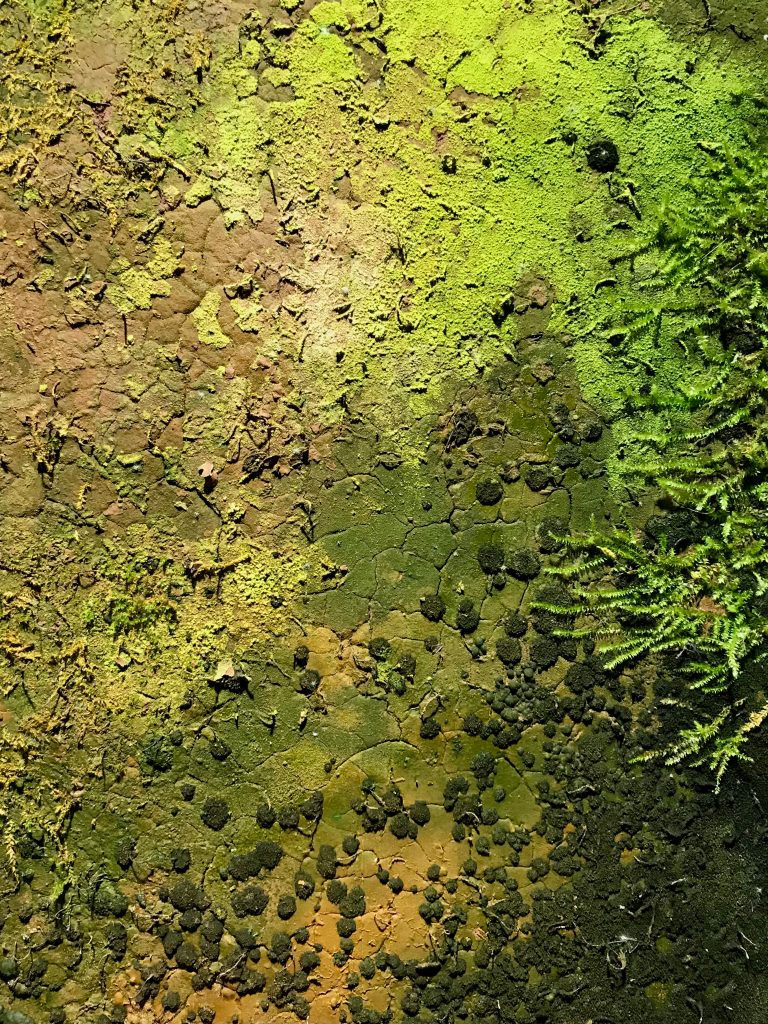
[(298, 394)]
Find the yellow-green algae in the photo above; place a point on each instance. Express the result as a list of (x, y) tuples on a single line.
[(517, 97)]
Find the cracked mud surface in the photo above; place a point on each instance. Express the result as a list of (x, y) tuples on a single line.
[(297, 397)]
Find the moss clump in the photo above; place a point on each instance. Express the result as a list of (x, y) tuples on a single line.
[(252, 900), (400, 826), (483, 766), (544, 651), (431, 911), (309, 680), (286, 907), (288, 817), (406, 666), (549, 533), (312, 807), (379, 648), (429, 729), (603, 156), (420, 813), (353, 904), (537, 477), (266, 815), (109, 901), (350, 845), (509, 650), (309, 961), (346, 927), (185, 895), (303, 885), (326, 861), (490, 558), (215, 813), (514, 624), (467, 617), (433, 607), (301, 656), (524, 564), (336, 890), (280, 948), (489, 492), (158, 753)]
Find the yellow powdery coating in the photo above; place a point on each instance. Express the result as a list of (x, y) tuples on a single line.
[(206, 318)]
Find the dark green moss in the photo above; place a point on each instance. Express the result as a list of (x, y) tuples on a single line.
[(420, 812), (467, 618), (286, 907), (508, 650), (489, 492), (215, 813), (490, 558), (252, 900), (433, 607), (326, 861), (379, 648), (524, 564)]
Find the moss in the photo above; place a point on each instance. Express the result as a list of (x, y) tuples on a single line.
[(509, 651), (312, 807), (252, 900), (399, 826), (420, 813), (467, 617), (205, 317), (266, 815), (544, 651), (489, 492), (524, 564), (406, 666), (336, 890), (433, 607), (215, 813), (350, 845), (346, 927), (490, 558), (185, 895), (429, 728), (514, 624), (326, 861), (379, 648), (286, 907), (288, 817), (309, 680), (109, 901)]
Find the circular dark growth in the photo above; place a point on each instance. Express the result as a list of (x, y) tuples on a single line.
[(309, 681), (603, 156), (514, 624), (433, 607), (215, 813), (463, 426), (490, 558), (509, 651), (301, 656), (379, 648), (489, 492), (524, 565), (468, 617)]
